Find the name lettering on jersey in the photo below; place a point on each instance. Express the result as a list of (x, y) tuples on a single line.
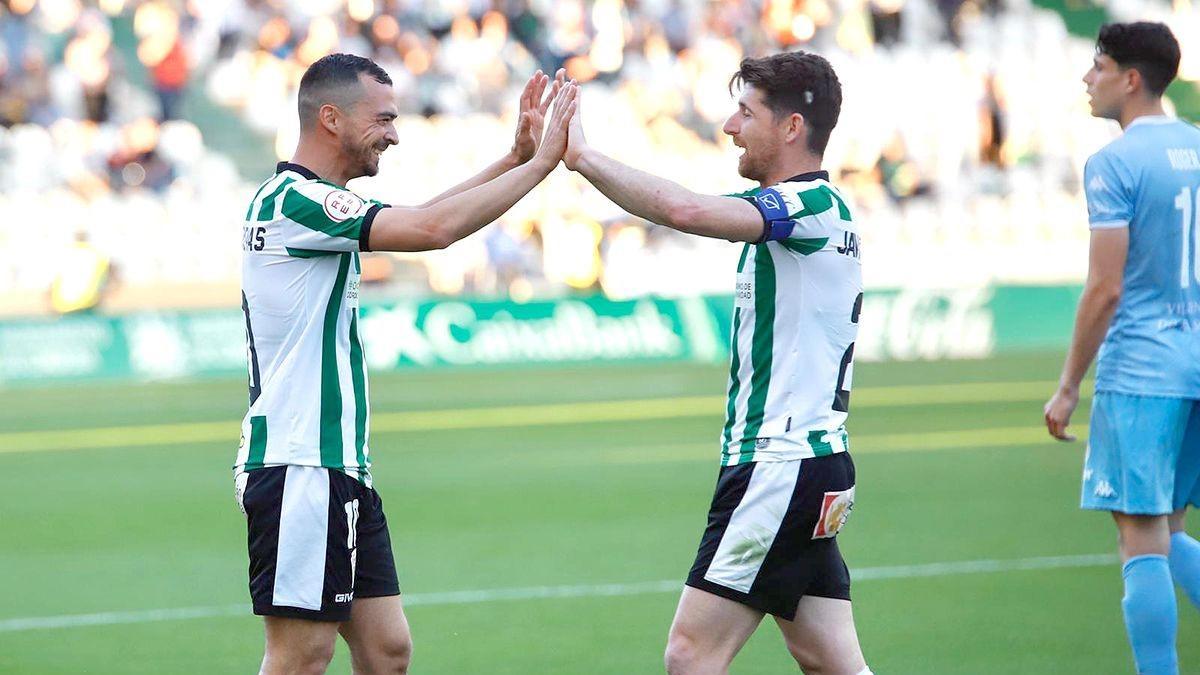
[(743, 295), (253, 238), (340, 205), (1183, 159), (849, 245)]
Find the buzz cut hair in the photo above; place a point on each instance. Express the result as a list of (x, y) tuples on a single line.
[(1148, 47), (335, 79), (796, 82)]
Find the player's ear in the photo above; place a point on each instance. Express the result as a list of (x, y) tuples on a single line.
[(329, 117), (795, 128), (1133, 80)]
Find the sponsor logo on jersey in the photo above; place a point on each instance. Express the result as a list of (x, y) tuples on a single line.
[(835, 509), (341, 205)]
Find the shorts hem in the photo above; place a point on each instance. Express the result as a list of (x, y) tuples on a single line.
[(1126, 509), (378, 593), (337, 615), (746, 599)]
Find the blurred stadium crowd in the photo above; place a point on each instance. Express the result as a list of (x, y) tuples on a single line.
[(961, 140)]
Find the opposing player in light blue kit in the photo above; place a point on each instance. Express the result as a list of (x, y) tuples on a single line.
[(1141, 309)]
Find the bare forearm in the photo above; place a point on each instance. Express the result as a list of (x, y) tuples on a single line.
[(637, 192), (1096, 309), (494, 170), (463, 214)]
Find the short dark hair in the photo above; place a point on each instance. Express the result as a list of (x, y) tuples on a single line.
[(334, 78), (1150, 48), (799, 82)]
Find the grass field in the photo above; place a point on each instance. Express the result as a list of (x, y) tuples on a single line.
[(550, 536)]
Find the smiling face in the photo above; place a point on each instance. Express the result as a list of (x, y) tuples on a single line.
[(1108, 87), (754, 127), (369, 127)]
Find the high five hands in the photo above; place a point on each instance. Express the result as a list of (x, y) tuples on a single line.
[(535, 102)]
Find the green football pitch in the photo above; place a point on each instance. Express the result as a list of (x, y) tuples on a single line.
[(543, 519)]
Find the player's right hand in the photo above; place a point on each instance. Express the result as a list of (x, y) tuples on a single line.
[(1058, 412), (576, 141), (554, 143)]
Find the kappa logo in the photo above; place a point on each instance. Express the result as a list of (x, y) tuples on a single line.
[(1097, 184), (1104, 490), (341, 205), (835, 509)]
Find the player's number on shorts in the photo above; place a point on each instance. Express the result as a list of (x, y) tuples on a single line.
[(352, 524), (1189, 206), (841, 395)]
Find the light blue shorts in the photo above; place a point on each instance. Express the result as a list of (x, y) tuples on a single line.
[(1143, 454)]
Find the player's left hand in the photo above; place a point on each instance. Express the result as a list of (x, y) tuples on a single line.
[(1058, 412), (534, 104)]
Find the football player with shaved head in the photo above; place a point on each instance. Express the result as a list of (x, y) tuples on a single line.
[(320, 553)]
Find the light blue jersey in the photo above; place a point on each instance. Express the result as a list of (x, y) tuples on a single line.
[(1149, 181)]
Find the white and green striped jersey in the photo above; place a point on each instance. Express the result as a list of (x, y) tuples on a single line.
[(300, 277), (795, 319)]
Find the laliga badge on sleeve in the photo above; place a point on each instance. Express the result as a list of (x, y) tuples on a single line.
[(835, 509), (341, 205)]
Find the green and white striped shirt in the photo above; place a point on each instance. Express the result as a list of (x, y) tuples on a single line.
[(795, 319), (300, 277)]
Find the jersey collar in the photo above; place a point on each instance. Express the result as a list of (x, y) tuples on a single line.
[(303, 171), (811, 175), (1152, 119)]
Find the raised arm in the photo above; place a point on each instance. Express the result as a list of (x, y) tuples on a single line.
[(457, 216), (534, 104), (660, 200)]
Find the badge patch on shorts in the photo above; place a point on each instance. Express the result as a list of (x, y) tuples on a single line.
[(340, 205), (835, 509)]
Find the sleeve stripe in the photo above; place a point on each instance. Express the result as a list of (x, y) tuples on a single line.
[(1108, 224)]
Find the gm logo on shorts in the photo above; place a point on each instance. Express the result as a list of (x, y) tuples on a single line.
[(835, 509)]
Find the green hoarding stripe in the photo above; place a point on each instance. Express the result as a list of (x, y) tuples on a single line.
[(805, 246), (267, 211), (331, 391), (820, 446), (763, 343), (258, 442)]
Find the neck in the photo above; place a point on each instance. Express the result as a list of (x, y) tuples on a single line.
[(784, 170), (321, 160), (1140, 108)]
